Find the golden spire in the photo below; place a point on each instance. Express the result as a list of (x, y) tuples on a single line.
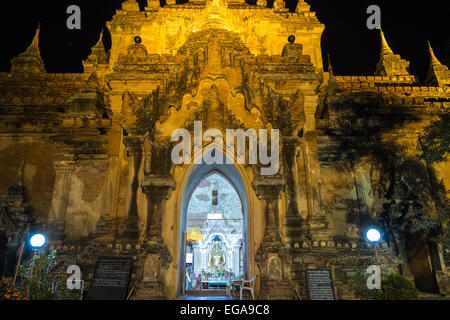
[(390, 64), (98, 56), (30, 60), (100, 40), (332, 81), (438, 74), (433, 60), (330, 67), (35, 42), (385, 49)]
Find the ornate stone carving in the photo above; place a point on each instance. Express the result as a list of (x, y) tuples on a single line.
[(151, 269), (157, 184), (88, 102), (153, 261), (275, 269)]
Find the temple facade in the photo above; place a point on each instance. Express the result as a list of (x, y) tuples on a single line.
[(87, 158)]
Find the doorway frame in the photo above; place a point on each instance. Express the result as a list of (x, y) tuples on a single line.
[(195, 176)]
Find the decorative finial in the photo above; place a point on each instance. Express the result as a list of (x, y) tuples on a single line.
[(100, 39), (98, 55), (385, 49), (390, 64), (35, 42), (330, 67), (332, 82), (438, 74), (433, 60), (30, 60)]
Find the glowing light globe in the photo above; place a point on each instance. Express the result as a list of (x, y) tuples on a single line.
[(373, 235), (37, 240)]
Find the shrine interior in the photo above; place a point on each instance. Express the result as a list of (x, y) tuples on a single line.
[(214, 235)]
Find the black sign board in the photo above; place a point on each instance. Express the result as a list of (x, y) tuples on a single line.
[(111, 278), (320, 284)]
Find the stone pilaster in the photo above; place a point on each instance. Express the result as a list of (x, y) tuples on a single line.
[(131, 221), (316, 220), (270, 257), (61, 191), (157, 188), (155, 257), (107, 224), (269, 191), (294, 223)]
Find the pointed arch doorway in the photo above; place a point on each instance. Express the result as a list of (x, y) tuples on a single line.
[(213, 246)]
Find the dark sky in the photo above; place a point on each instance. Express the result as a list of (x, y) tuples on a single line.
[(354, 49)]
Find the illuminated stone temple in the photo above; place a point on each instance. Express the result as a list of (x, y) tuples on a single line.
[(86, 158)]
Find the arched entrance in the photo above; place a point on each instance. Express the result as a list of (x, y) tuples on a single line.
[(213, 244)]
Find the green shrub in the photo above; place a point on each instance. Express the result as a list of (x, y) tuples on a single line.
[(397, 287), (44, 278), (358, 284)]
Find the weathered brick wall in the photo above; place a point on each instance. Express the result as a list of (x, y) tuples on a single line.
[(38, 175)]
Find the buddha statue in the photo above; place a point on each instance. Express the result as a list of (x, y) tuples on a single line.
[(217, 257), (292, 50)]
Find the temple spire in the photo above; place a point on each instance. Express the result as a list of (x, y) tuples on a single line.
[(390, 64), (35, 42), (438, 74), (332, 81), (433, 60), (330, 67), (100, 40), (385, 49), (29, 61), (98, 59)]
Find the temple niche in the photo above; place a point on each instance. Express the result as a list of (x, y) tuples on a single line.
[(214, 235)]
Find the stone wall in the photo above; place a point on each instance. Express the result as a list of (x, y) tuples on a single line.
[(95, 147)]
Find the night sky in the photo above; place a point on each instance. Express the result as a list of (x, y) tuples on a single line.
[(353, 48)]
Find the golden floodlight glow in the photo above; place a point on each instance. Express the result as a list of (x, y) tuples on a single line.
[(194, 235)]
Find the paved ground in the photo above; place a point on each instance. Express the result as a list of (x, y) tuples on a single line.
[(429, 296), (423, 296), (208, 297)]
